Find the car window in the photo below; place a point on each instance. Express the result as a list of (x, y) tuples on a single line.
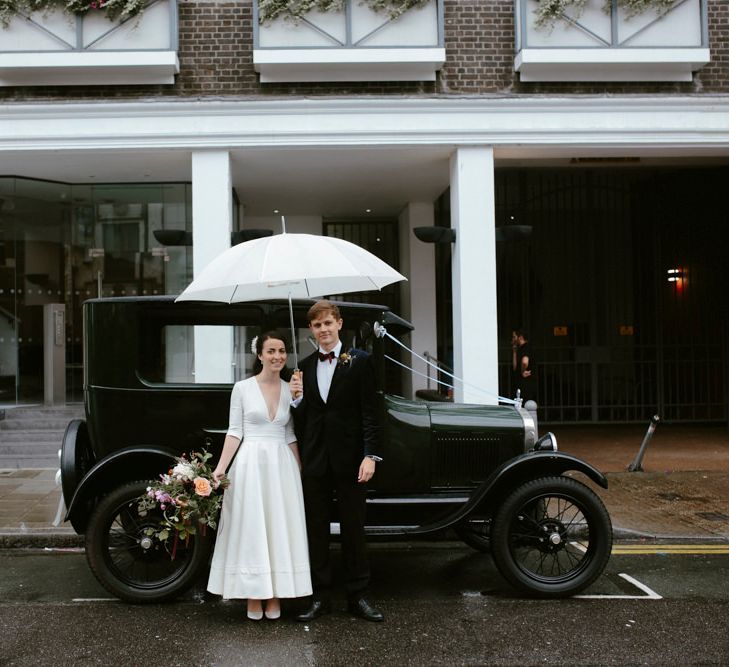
[(182, 353), (182, 361)]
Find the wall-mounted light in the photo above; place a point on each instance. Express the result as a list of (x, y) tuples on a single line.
[(173, 237), (674, 275), (435, 234), (678, 277)]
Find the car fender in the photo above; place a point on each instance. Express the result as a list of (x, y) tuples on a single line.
[(77, 457), (124, 465), (509, 476)]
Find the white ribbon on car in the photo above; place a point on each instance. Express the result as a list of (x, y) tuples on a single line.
[(381, 331)]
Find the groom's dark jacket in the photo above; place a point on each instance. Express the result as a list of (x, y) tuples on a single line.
[(345, 429)]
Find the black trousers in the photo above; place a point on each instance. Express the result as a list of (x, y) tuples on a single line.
[(351, 501)]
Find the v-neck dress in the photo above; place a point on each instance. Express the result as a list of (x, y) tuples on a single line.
[(261, 549)]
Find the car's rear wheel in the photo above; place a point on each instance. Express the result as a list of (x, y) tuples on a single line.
[(552, 537), (130, 563)]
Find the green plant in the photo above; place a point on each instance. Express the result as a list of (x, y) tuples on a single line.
[(114, 10), (293, 10), (549, 11)]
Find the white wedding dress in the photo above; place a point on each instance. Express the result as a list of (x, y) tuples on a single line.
[(261, 549)]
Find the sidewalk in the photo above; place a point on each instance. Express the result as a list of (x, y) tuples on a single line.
[(683, 492)]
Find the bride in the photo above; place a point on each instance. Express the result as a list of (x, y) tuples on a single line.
[(261, 551)]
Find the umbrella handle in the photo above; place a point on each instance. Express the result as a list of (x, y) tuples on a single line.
[(293, 333)]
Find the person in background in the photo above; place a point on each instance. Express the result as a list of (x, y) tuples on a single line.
[(523, 366)]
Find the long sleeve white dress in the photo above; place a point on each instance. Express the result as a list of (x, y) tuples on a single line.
[(261, 549)]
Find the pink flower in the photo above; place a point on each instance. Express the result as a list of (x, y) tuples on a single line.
[(202, 487)]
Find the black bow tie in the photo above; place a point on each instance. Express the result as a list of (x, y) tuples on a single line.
[(324, 356)]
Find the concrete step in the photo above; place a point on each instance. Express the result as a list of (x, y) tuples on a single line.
[(42, 449), (19, 462), (24, 410), (36, 412), (21, 438), (34, 424), (16, 434)]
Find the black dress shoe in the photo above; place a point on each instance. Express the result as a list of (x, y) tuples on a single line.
[(363, 609), (317, 608)]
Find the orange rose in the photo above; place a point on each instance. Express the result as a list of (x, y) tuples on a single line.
[(202, 486)]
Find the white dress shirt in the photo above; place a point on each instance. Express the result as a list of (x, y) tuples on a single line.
[(325, 371)]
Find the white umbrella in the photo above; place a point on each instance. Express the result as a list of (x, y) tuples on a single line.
[(287, 266)]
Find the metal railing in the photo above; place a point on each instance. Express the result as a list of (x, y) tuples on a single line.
[(681, 383)]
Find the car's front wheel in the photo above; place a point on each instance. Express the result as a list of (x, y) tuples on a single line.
[(552, 537), (128, 561)]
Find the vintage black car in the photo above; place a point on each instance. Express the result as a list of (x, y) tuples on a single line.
[(479, 470)]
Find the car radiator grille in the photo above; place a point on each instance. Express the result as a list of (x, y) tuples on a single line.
[(464, 459)]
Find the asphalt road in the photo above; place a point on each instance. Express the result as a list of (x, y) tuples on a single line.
[(444, 604)]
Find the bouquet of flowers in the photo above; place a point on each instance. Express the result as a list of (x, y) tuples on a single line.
[(187, 496)]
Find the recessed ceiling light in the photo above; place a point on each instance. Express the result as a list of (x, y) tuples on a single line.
[(368, 210), (275, 210)]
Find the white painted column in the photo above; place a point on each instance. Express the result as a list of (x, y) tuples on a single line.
[(475, 331), (417, 263), (212, 221)]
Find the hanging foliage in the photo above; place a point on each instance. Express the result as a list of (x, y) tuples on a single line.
[(293, 10), (114, 10), (549, 11)]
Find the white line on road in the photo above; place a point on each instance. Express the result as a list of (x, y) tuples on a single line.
[(649, 594), (94, 600)]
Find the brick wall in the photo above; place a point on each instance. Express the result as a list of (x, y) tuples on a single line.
[(216, 41)]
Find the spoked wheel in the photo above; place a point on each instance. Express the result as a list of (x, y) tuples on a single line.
[(131, 564), (552, 537), (475, 532)]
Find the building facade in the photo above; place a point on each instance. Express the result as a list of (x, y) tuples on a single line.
[(580, 165)]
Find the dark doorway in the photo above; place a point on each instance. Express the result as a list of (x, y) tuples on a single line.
[(622, 287)]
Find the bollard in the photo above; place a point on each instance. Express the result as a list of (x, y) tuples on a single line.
[(636, 466)]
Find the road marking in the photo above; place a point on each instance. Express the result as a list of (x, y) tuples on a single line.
[(654, 549), (649, 594), (95, 600)]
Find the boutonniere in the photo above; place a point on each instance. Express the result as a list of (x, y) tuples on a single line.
[(344, 360)]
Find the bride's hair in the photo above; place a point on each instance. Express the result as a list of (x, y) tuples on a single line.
[(260, 340)]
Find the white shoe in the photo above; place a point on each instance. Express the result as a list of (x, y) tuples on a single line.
[(254, 615), (273, 615)]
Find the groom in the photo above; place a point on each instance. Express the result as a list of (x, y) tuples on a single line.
[(339, 438)]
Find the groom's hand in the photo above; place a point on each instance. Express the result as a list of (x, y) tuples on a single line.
[(296, 385), (366, 470)]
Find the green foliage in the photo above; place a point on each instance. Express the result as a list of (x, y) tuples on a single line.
[(114, 10), (549, 11), (293, 10)]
